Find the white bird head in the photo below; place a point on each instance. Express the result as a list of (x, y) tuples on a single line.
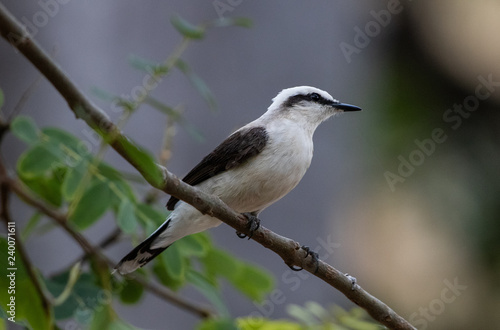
[(307, 104)]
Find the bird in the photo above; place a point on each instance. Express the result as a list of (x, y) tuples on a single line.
[(251, 169)]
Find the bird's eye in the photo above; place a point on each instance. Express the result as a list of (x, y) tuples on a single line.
[(315, 97)]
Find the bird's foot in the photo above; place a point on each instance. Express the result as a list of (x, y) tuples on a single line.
[(353, 280), (314, 257), (253, 224)]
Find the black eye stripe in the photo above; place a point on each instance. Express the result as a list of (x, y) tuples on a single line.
[(311, 97), (315, 97)]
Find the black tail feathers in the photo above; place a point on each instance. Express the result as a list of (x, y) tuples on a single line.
[(142, 253)]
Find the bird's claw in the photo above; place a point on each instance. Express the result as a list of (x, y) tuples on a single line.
[(253, 224), (314, 257)]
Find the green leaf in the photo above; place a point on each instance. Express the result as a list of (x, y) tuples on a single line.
[(28, 305), (218, 324), (254, 282), (218, 262), (93, 204), (317, 310), (126, 216), (147, 65), (352, 323), (1, 98), (85, 298), (61, 138), (106, 318), (198, 84), (141, 63), (187, 29), (163, 108), (211, 292), (143, 160), (101, 319), (252, 323), (176, 116), (301, 314), (73, 179), (56, 149), (124, 191), (203, 89), (119, 325), (36, 162), (175, 264), (161, 273), (31, 225), (193, 246), (109, 172), (74, 274), (149, 216), (131, 292), (43, 167), (25, 129), (121, 189), (47, 187)]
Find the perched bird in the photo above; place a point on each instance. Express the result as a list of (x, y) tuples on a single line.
[(253, 168)]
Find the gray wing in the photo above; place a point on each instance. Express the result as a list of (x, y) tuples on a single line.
[(233, 151)]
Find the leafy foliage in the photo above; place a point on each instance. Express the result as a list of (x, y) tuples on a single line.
[(313, 316)]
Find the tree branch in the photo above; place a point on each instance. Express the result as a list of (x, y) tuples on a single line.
[(287, 249)]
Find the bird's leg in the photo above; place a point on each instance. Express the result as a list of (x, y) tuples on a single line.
[(314, 257), (253, 224)]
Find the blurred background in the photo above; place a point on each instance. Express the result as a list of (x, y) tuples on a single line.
[(405, 195)]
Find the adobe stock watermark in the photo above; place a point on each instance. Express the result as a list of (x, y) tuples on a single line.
[(48, 10), (436, 307), (454, 117), (293, 280), (222, 7), (372, 29), (11, 271)]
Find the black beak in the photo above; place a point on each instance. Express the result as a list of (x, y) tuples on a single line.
[(346, 107)]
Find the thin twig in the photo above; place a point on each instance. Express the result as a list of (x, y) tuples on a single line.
[(26, 96), (167, 144), (167, 295), (108, 240), (164, 156), (287, 249), (4, 126)]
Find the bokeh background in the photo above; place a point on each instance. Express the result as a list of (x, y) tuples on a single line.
[(406, 192)]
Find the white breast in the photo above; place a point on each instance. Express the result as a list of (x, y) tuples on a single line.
[(268, 176)]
